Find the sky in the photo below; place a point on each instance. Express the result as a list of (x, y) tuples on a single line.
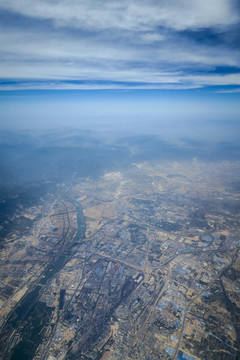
[(81, 63)]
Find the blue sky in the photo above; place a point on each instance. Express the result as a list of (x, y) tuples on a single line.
[(171, 58)]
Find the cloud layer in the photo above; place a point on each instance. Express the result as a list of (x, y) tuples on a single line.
[(119, 44)]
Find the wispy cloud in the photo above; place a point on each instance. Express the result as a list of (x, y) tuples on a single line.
[(112, 44), (229, 91)]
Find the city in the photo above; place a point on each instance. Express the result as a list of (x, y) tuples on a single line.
[(139, 264)]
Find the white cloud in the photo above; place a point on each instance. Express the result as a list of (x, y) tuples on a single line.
[(216, 80), (128, 14), (150, 37), (63, 86), (128, 41)]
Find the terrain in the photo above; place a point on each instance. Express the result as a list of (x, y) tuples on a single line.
[(134, 256)]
